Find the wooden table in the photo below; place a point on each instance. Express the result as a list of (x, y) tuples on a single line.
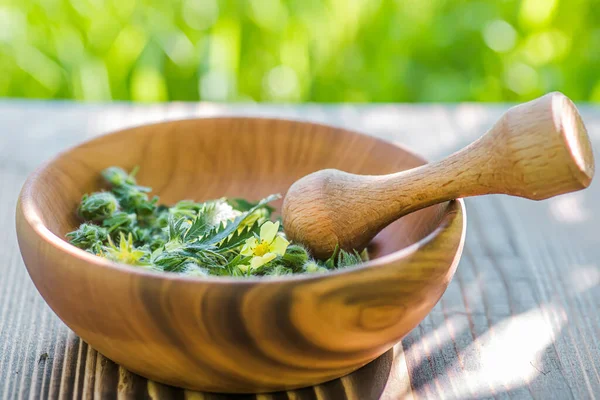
[(521, 319)]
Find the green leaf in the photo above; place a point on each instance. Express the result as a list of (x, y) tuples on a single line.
[(169, 261), (198, 228), (238, 260), (97, 206), (295, 257), (206, 257), (279, 270), (312, 267), (185, 208), (120, 221), (238, 238), (177, 228), (215, 235), (245, 205), (134, 199), (116, 176), (330, 262), (347, 259), (341, 259), (88, 236)]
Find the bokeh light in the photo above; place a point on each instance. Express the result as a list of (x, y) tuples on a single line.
[(300, 50)]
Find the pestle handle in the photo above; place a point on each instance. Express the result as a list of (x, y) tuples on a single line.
[(536, 150)]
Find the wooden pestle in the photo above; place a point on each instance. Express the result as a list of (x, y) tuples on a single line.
[(536, 150)]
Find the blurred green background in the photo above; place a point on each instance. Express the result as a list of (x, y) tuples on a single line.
[(300, 50)]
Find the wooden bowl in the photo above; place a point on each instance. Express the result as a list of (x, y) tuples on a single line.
[(235, 334)]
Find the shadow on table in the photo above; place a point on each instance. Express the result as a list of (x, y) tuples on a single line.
[(514, 356)]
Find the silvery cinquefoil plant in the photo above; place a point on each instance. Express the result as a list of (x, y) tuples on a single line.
[(223, 237)]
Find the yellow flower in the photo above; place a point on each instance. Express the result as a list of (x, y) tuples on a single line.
[(126, 252), (267, 248)]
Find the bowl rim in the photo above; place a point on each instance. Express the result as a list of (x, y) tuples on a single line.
[(28, 211)]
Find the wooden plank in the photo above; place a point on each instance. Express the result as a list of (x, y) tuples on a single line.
[(529, 269), (575, 328)]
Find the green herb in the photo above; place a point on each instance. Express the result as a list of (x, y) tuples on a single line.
[(222, 237), (98, 206), (88, 237)]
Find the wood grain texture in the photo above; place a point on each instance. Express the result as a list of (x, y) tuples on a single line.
[(234, 334), (537, 150), (527, 268)]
